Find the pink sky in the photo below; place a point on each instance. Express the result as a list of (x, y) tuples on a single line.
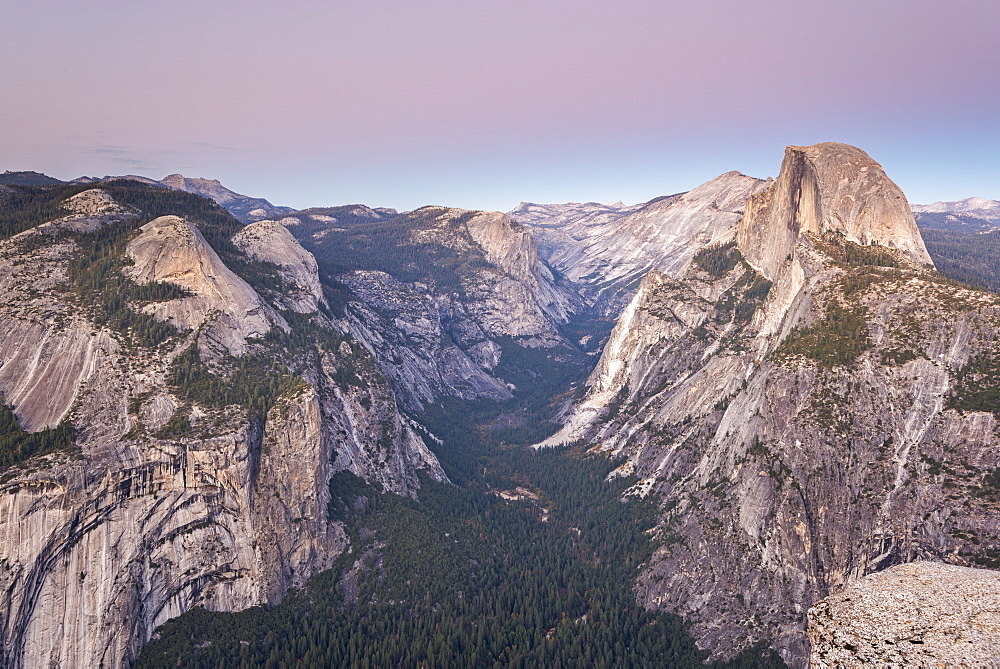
[(484, 104)]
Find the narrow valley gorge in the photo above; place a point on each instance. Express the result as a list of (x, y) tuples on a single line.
[(567, 435)]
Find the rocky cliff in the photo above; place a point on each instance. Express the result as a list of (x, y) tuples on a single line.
[(827, 188), (443, 298), (809, 401), (606, 249), (922, 614), (192, 479)]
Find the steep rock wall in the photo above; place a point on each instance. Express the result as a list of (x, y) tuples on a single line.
[(802, 432), (101, 544), (833, 188)]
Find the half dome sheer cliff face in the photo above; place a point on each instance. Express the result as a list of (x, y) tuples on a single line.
[(827, 188), (811, 402)]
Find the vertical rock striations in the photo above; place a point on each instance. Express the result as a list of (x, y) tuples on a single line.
[(827, 188)]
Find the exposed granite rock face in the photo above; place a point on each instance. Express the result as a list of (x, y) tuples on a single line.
[(827, 188), (408, 329), (173, 250), (93, 202), (270, 241), (802, 433), (442, 332), (87, 211), (510, 247), (922, 614), (42, 369), (100, 545), (607, 249)]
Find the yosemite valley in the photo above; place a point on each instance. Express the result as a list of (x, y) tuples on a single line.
[(235, 434)]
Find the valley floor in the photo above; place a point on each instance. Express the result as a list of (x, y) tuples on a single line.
[(465, 577)]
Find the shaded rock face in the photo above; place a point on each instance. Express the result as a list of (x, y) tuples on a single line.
[(803, 432), (922, 614), (409, 330), (606, 249), (827, 188), (100, 545)]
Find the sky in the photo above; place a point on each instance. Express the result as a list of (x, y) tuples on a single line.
[(485, 104)]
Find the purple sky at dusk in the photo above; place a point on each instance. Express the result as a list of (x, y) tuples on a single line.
[(484, 104)]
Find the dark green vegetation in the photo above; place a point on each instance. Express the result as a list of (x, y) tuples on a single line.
[(253, 382), (719, 259), (460, 578), (740, 303), (393, 246), (969, 257), (968, 223), (17, 445), (977, 385), (95, 278), (464, 578), (112, 300), (838, 338), (25, 207), (853, 254), (27, 178)]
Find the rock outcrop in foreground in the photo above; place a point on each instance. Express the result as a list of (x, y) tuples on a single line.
[(922, 614)]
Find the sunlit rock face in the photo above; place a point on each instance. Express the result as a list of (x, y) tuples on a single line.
[(827, 188), (271, 242), (172, 250), (606, 249)]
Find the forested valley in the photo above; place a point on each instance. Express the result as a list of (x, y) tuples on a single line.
[(527, 560)]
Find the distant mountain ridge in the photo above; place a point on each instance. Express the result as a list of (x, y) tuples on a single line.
[(607, 249), (245, 208), (27, 178), (973, 214)]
